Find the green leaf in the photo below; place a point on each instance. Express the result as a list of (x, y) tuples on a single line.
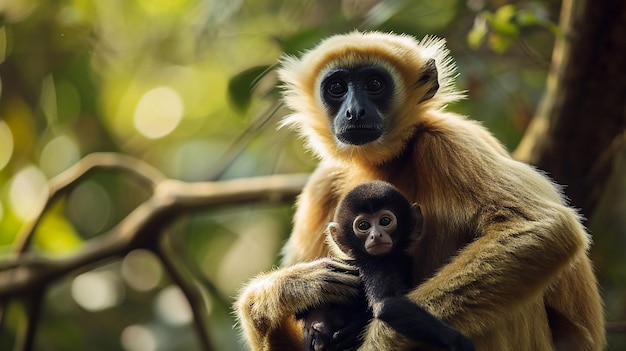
[(505, 13), (55, 234), (240, 86), (500, 43), (477, 35), (502, 21), (526, 18)]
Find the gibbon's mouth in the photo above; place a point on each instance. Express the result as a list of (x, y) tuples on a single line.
[(378, 248), (359, 135)]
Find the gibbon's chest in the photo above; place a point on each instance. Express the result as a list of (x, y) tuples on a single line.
[(447, 227)]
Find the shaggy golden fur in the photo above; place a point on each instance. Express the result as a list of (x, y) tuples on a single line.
[(502, 257)]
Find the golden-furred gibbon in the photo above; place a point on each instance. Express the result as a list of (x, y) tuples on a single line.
[(502, 257)]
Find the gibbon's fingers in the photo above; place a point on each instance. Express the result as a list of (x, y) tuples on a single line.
[(334, 281), (271, 299), (296, 288), (338, 266), (344, 338)]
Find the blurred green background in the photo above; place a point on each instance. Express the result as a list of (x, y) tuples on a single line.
[(169, 81)]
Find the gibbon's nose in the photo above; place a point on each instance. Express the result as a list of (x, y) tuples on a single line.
[(355, 113), (375, 234)]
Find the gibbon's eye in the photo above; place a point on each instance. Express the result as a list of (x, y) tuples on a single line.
[(337, 88), (363, 225), (385, 221), (374, 85)]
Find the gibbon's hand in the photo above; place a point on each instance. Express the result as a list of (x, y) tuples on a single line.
[(347, 339), (271, 297), (318, 282), (335, 327)]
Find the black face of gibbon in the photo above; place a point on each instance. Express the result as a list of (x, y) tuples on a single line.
[(375, 219), (355, 98)]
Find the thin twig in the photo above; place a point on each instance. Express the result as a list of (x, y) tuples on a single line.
[(27, 340), (193, 296), (241, 143), (180, 251)]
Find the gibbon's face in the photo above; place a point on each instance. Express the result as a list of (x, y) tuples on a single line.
[(359, 97), (374, 219), (376, 231), (356, 99)]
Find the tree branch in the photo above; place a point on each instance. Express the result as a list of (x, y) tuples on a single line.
[(29, 275), (141, 227), (66, 181), (193, 296)]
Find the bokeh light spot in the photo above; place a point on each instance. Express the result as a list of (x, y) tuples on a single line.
[(6, 144), (28, 192), (96, 291), (138, 338), (172, 307), (90, 207), (141, 270), (58, 155), (158, 112)]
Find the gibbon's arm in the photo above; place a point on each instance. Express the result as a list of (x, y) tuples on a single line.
[(509, 263), (267, 305), (524, 236)]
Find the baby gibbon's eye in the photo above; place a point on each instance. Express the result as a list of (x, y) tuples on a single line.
[(363, 225), (385, 221)]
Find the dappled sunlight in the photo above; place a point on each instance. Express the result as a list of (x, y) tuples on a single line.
[(172, 307), (28, 192), (141, 270), (138, 337), (58, 155), (6, 144), (97, 290), (158, 112)]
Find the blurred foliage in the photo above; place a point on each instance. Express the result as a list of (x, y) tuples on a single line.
[(504, 26), (188, 86)]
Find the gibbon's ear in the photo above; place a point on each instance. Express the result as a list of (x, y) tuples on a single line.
[(418, 220), (336, 243), (429, 80)]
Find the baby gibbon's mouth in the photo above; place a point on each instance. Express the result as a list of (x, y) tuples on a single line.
[(378, 248)]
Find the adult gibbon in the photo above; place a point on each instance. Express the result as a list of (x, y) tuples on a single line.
[(502, 257)]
